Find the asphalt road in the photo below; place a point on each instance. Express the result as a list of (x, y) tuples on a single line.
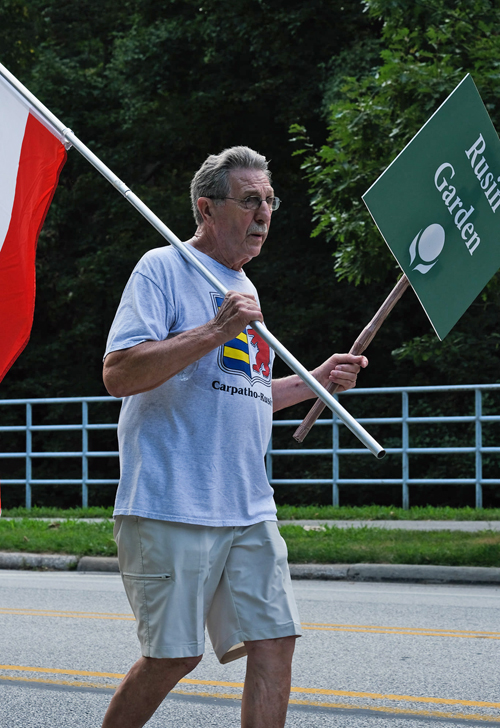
[(388, 655)]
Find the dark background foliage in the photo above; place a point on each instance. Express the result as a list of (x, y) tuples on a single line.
[(154, 87)]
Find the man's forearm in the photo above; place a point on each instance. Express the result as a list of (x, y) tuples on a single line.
[(289, 391), (152, 363), (341, 369)]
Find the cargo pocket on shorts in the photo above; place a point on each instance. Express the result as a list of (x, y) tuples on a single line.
[(130, 575), (146, 594)]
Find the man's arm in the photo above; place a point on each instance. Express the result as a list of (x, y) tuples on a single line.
[(148, 365), (339, 368)]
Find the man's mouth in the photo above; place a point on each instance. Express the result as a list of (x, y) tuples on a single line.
[(258, 231)]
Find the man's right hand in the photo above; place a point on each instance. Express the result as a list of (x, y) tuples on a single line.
[(236, 312)]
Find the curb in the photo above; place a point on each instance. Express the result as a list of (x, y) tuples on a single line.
[(467, 526), (397, 573), (108, 564), (46, 562), (412, 573)]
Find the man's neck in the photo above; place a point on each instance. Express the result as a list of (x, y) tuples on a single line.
[(205, 244)]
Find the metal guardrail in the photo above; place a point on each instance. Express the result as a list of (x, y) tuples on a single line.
[(29, 455), (405, 451), (336, 451)]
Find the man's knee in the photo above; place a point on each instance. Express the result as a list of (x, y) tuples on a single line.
[(278, 644), (187, 664), (180, 665), (280, 649)]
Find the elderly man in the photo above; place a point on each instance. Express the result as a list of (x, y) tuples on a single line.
[(198, 543)]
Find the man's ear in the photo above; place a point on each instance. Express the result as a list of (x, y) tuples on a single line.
[(205, 207)]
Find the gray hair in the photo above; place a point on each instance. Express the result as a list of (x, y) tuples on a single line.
[(212, 179)]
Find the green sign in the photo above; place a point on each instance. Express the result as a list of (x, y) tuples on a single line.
[(438, 207)]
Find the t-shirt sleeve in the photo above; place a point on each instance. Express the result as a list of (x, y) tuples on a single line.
[(144, 314)]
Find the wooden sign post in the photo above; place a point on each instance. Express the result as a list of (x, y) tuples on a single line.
[(362, 342)]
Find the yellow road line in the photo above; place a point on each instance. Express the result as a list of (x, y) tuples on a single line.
[(59, 671), (60, 613), (411, 631), (400, 711), (379, 626), (71, 683), (314, 691), (8, 610), (390, 696), (310, 703), (362, 628)]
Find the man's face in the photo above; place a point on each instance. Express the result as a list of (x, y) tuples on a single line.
[(240, 233)]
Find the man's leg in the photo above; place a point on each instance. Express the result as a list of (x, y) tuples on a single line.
[(267, 683), (143, 688)]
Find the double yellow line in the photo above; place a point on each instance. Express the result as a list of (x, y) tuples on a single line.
[(294, 690), (317, 626), (70, 615), (325, 695), (411, 631)]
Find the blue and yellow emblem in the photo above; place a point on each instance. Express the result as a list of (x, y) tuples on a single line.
[(235, 354)]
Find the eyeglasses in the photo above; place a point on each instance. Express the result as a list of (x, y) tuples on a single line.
[(254, 202)]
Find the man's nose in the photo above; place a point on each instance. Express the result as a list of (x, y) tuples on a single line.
[(263, 213)]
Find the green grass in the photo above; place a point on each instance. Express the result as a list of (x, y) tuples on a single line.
[(335, 545), (44, 512), (380, 546), (67, 537), (363, 513)]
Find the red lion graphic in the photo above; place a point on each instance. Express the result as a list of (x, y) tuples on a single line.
[(263, 355)]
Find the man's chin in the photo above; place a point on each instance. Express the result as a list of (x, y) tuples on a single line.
[(256, 242), (254, 251)]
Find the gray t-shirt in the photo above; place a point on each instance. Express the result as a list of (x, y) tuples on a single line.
[(192, 450)]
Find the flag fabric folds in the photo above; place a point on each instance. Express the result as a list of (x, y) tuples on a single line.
[(32, 154)]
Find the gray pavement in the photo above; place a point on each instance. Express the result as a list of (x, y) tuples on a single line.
[(372, 655)]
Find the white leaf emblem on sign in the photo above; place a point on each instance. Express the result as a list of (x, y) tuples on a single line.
[(426, 246)]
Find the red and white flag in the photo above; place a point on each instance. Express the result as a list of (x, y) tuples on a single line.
[(32, 154)]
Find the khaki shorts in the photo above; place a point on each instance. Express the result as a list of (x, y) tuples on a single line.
[(180, 577)]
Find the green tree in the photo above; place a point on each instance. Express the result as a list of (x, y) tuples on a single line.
[(152, 88), (426, 48)]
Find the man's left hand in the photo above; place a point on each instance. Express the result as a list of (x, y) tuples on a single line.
[(342, 369)]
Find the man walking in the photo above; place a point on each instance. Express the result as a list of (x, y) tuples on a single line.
[(198, 542)]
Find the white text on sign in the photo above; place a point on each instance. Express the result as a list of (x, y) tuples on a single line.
[(444, 172), (492, 193)]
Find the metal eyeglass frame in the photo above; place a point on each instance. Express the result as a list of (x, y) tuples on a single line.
[(273, 205)]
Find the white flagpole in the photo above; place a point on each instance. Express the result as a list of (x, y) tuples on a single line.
[(155, 221)]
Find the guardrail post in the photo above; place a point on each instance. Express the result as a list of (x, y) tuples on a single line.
[(29, 422), (85, 460), (479, 460), (405, 457), (335, 463)]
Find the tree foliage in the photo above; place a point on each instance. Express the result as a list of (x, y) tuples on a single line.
[(153, 88), (425, 50)]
